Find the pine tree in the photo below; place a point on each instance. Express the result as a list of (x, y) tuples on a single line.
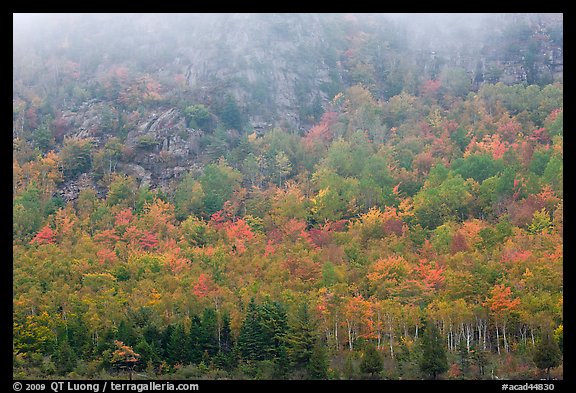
[(250, 339), (547, 353), (433, 360), (177, 350), (318, 364), (208, 334), (300, 339), (194, 344), (371, 361), (65, 358)]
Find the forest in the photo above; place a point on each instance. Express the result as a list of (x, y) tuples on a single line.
[(394, 234)]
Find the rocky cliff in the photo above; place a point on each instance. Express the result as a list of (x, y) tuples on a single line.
[(133, 76)]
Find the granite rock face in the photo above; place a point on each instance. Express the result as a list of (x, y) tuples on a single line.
[(281, 70)]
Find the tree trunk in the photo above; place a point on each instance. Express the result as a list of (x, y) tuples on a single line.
[(497, 339), (349, 335), (504, 335), (336, 335)]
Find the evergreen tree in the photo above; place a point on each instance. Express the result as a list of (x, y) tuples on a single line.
[(371, 361), (274, 328), (464, 356), (225, 358), (300, 339), (65, 358), (282, 363), (318, 364), (126, 333), (349, 369), (147, 352), (433, 360), (226, 340), (547, 353), (250, 339), (208, 334), (231, 116), (178, 345), (194, 343), (480, 359), (263, 332)]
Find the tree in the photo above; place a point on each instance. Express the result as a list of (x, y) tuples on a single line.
[(250, 339), (547, 353), (65, 358), (45, 236), (300, 338), (230, 114), (75, 157), (434, 361), (318, 364), (124, 357), (371, 361), (218, 183)]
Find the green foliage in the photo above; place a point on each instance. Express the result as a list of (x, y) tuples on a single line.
[(455, 81), (547, 353), (188, 197), (318, 364), (478, 167), (122, 191), (197, 116), (230, 114), (218, 182), (371, 361), (442, 197), (146, 142), (433, 362), (76, 157), (262, 332)]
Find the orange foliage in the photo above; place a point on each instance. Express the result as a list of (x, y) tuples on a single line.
[(105, 256), (501, 300), (45, 236)]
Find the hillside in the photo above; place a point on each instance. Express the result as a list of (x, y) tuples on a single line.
[(284, 196)]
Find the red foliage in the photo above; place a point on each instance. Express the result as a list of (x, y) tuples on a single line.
[(423, 162), (148, 240), (124, 218), (107, 236), (219, 218), (515, 255), (522, 211), (45, 236), (541, 135), (176, 263), (239, 232), (430, 274), (320, 237), (132, 235), (31, 117), (393, 226), (293, 230), (303, 268), (105, 255), (270, 249), (509, 129), (60, 127), (459, 243), (321, 132), (430, 88), (204, 287)]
